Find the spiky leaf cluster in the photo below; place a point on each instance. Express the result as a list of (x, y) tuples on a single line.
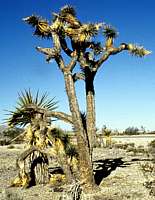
[(138, 51), (42, 28), (67, 15), (70, 150), (67, 9), (84, 33), (32, 20), (28, 106), (109, 31), (89, 30)]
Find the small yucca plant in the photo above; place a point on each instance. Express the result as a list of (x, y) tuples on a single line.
[(28, 106)]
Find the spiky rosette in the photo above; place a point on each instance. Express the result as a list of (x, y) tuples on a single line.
[(84, 33), (89, 30), (28, 106), (43, 30), (32, 20), (67, 14), (67, 9), (41, 25), (109, 31), (136, 50), (71, 151)]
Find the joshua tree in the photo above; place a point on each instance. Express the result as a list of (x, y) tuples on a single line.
[(107, 133), (33, 113), (76, 40)]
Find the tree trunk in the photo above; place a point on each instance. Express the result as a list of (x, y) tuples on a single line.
[(85, 164), (38, 169), (62, 160), (33, 168), (91, 116)]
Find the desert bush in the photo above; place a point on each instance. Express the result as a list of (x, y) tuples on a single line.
[(3, 142), (148, 170), (124, 146), (131, 149), (11, 147), (132, 144), (131, 131), (152, 144), (141, 149), (9, 195), (12, 132), (151, 150)]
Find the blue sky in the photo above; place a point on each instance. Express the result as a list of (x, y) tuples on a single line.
[(125, 85)]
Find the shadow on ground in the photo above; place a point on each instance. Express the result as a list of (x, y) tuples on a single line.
[(103, 168)]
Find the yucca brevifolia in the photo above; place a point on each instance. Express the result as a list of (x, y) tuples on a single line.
[(65, 153), (107, 134), (35, 113), (66, 29)]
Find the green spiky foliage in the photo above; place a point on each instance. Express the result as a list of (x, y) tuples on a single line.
[(84, 33), (58, 133), (138, 51), (109, 31), (42, 28), (28, 106), (68, 15), (70, 150), (67, 10)]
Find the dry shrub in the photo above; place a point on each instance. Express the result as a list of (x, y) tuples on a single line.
[(148, 168), (11, 147), (151, 150), (9, 195)]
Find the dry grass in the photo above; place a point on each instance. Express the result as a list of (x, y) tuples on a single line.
[(122, 181)]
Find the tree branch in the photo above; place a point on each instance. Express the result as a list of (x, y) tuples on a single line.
[(59, 60), (78, 76), (110, 51), (72, 63), (60, 115), (49, 52), (65, 47)]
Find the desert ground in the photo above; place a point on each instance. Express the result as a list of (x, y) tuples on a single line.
[(118, 170)]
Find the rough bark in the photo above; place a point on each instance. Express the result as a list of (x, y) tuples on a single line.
[(62, 159), (90, 120), (90, 107), (85, 165), (33, 168)]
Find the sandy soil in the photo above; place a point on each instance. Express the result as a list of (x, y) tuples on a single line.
[(121, 173)]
